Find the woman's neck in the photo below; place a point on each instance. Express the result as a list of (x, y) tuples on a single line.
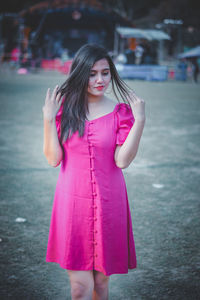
[(95, 99)]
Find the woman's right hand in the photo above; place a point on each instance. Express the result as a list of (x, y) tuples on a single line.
[(52, 104)]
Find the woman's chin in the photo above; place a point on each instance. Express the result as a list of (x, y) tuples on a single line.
[(96, 93)]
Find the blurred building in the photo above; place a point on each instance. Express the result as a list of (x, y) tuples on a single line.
[(62, 25)]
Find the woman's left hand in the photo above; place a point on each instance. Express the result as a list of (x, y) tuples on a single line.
[(138, 107)]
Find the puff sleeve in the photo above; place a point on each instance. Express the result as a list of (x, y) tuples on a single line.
[(125, 121)]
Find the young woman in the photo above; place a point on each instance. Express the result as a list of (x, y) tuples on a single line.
[(93, 138)]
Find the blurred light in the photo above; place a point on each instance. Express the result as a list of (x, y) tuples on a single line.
[(159, 26), (190, 29), (76, 15), (22, 71), (173, 21)]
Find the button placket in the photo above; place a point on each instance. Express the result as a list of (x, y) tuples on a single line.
[(94, 194)]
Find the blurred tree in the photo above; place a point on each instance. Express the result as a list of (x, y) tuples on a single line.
[(131, 9), (16, 5), (187, 10)]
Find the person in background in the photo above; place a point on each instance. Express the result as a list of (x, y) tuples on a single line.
[(195, 68)]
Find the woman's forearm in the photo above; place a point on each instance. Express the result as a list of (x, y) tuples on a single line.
[(51, 147), (126, 153)]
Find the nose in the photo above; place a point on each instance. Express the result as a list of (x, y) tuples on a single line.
[(99, 78)]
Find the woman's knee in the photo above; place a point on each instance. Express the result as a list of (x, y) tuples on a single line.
[(82, 284), (80, 290), (100, 281)]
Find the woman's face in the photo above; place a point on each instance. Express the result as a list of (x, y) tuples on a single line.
[(99, 78)]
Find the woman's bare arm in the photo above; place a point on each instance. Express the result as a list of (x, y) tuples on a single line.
[(125, 153), (51, 147)]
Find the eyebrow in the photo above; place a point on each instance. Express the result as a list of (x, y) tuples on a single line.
[(106, 69)]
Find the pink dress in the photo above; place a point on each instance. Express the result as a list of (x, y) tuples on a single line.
[(91, 226)]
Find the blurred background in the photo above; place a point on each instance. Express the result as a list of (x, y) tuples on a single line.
[(155, 46), (147, 39)]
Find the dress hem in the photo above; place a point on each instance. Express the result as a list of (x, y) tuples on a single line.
[(90, 269)]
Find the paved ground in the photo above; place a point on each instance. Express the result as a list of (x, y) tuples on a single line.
[(163, 188)]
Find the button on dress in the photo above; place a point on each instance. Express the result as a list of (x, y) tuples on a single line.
[(91, 227)]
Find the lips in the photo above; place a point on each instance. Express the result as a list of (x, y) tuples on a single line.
[(100, 87)]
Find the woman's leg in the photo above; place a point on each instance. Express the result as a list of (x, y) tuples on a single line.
[(101, 283), (82, 284)]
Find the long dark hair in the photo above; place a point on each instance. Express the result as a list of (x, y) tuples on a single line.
[(74, 89)]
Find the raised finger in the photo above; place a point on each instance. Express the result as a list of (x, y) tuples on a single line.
[(54, 93), (141, 100), (58, 97), (47, 95)]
